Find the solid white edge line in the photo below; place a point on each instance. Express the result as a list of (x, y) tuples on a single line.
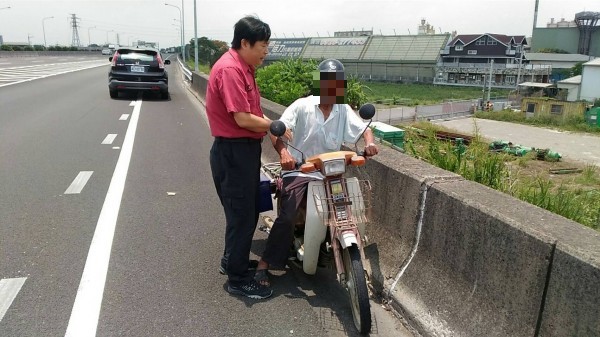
[(9, 288), (86, 309), (79, 182), (110, 138)]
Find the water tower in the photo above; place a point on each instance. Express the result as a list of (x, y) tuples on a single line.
[(587, 22)]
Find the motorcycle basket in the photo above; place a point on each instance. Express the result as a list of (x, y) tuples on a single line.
[(334, 208)]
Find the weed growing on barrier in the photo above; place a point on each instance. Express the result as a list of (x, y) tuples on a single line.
[(474, 162), (580, 205), (575, 196)]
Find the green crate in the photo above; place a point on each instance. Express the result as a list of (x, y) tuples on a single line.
[(382, 130), (388, 133)]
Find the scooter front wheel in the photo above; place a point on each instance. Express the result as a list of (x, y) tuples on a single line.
[(357, 287)]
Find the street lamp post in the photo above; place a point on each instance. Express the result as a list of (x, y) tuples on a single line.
[(183, 30), (44, 28), (195, 39), (182, 36), (108, 31), (89, 39)]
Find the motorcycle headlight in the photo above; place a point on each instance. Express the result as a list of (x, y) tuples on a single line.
[(334, 167)]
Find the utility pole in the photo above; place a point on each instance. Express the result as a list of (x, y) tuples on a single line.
[(89, 39), (490, 80), (75, 42), (519, 70)]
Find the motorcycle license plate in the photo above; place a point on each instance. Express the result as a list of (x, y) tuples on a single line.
[(137, 69)]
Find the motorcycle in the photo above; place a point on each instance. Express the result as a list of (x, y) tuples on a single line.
[(333, 220)]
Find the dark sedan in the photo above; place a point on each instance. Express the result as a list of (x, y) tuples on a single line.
[(138, 68)]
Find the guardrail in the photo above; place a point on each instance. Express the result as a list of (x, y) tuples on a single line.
[(186, 72)]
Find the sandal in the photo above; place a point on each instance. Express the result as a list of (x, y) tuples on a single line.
[(262, 277)]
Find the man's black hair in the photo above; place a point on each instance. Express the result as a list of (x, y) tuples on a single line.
[(251, 29)]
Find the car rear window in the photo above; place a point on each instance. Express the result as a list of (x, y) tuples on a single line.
[(148, 56)]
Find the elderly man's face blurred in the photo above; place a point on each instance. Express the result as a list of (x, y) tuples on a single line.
[(331, 87)]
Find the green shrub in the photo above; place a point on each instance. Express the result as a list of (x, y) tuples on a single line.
[(355, 93), (285, 81)]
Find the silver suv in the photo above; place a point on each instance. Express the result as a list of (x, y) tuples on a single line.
[(138, 68)]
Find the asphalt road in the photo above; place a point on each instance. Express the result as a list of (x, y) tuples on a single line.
[(110, 225), (580, 147)]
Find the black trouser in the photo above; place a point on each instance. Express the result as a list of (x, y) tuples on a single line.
[(235, 166), (292, 197)]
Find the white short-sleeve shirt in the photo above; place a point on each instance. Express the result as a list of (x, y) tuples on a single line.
[(315, 135)]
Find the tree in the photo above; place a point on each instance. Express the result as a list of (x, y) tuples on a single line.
[(209, 51), (577, 69)]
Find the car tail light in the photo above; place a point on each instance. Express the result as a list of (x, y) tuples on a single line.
[(114, 59), (161, 64)]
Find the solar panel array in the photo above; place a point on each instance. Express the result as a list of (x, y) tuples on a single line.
[(399, 48), (420, 48)]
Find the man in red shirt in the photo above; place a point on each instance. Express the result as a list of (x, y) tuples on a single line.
[(236, 121)]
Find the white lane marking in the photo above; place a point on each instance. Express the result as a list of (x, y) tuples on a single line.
[(4, 63), (9, 288), (45, 66), (59, 73), (110, 138), (86, 309), (79, 182), (124, 117), (132, 103)]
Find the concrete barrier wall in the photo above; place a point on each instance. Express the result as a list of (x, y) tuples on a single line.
[(484, 263)]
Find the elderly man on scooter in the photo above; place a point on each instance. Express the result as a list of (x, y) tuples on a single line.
[(320, 123)]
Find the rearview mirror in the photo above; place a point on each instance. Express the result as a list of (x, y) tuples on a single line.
[(367, 111), (277, 128)]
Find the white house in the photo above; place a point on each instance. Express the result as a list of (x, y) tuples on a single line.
[(590, 81), (557, 61), (572, 84)]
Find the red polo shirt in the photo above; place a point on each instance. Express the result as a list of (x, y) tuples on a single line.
[(231, 89)]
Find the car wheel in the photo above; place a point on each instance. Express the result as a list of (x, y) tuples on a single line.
[(164, 95), (113, 93)]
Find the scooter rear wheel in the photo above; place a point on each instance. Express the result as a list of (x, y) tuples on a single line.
[(357, 287)]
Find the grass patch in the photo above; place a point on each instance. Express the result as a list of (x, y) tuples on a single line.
[(574, 196), (573, 123), (203, 68), (422, 94)]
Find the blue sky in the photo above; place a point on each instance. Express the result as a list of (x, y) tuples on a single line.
[(152, 20)]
